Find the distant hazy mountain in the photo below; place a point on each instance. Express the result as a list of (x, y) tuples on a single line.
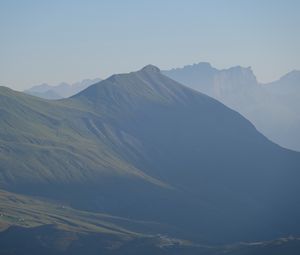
[(139, 162), (62, 90), (287, 84), (274, 108)]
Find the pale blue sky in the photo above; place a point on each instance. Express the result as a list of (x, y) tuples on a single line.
[(69, 40)]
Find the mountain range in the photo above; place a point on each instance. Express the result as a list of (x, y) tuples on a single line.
[(274, 108), (140, 164), (61, 90)]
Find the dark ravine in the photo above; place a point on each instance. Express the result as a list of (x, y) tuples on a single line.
[(143, 147)]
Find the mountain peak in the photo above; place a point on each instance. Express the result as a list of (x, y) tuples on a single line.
[(130, 89), (150, 69), (239, 69)]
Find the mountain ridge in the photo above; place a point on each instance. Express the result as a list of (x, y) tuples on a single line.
[(62, 90)]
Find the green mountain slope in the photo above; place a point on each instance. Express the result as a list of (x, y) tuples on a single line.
[(142, 146)]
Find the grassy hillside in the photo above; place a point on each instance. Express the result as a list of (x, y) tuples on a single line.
[(54, 142)]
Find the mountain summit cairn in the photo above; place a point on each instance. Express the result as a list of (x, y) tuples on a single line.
[(150, 69)]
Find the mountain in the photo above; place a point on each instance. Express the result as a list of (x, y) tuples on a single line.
[(143, 163), (212, 81), (61, 90), (273, 108)]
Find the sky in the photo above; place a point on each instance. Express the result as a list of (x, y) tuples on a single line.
[(70, 40)]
